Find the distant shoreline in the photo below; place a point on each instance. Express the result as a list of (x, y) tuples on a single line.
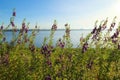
[(47, 29)]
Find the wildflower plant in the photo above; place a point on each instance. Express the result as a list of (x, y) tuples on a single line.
[(97, 58), (66, 37)]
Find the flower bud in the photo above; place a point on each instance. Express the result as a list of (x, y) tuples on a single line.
[(14, 13)]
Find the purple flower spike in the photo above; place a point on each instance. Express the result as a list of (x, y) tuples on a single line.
[(112, 25), (1, 28), (85, 47), (23, 25), (119, 46), (14, 13), (12, 23), (32, 48), (54, 27), (89, 65), (94, 30), (48, 77), (26, 30), (61, 43), (49, 63), (46, 50), (66, 24)]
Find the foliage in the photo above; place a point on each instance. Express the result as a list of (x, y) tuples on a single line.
[(97, 57)]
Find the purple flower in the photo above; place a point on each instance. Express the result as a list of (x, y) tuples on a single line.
[(112, 25), (114, 36), (48, 77), (114, 40), (94, 30), (15, 30), (110, 29), (119, 46), (14, 13), (94, 36), (32, 48), (99, 29), (117, 32), (46, 50), (63, 45), (104, 24), (60, 43), (54, 27), (26, 30), (89, 65), (12, 23), (103, 27), (66, 25), (1, 27), (49, 63), (23, 26), (85, 47)]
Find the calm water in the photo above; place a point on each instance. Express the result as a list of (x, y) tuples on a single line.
[(75, 36)]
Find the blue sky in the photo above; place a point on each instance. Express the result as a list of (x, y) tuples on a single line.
[(78, 13)]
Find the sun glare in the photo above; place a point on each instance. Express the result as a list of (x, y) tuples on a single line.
[(116, 8)]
